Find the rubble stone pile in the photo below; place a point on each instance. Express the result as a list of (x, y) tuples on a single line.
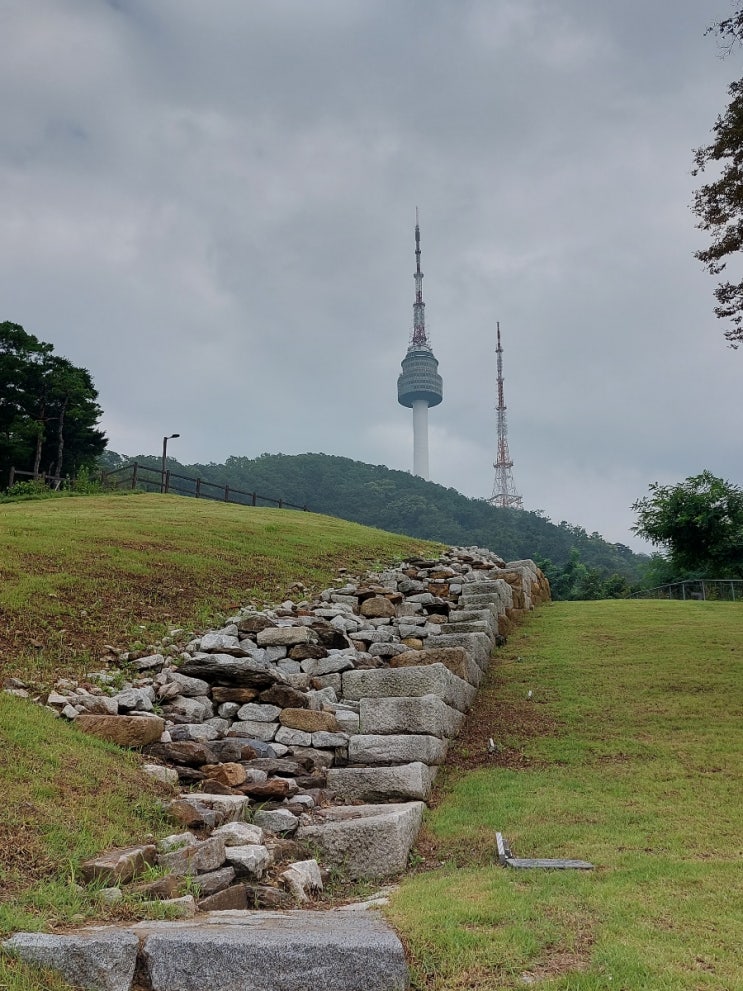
[(302, 738)]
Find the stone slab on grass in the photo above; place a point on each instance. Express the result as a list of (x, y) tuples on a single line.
[(274, 951), (406, 782), (422, 714), (98, 960), (370, 841), (428, 679), (124, 731), (401, 748)]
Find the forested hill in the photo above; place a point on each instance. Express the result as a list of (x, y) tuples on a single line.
[(403, 503)]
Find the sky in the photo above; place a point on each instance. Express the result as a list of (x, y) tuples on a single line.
[(211, 207)]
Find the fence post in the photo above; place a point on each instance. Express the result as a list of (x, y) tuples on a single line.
[(704, 595), (11, 479), (198, 487), (226, 493), (135, 472), (281, 503), (732, 591)]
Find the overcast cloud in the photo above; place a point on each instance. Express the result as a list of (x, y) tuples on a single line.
[(211, 207)]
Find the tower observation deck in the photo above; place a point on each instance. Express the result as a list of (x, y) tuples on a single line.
[(419, 385)]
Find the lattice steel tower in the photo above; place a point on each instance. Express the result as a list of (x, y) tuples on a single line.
[(504, 489), (419, 385)]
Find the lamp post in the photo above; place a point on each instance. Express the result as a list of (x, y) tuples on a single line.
[(165, 455)]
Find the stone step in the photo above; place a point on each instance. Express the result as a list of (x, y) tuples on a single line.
[(403, 748), (428, 679), (229, 951), (424, 714), (478, 645), (405, 782), (368, 841)]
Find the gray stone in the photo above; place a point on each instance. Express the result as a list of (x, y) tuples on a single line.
[(302, 878), (193, 710), (257, 730), (228, 710), (250, 860), (197, 858), (257, 712), (396, 749), (190, 687), (250, 672), (429, 679), (368, 840), (347, 721), (478, 645), (284, 636), (201, 732), (316, 667), (240, 833), (276, 820), (167, 775), (293, 737), (275, 951), (324, 740), (99, 960), (135, 700), (405, 782), (425, 714), (214, 881)]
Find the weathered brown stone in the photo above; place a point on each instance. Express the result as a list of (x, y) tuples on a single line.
[(453, 658), (186, 814), (169, 886), (254, 624), (120, 865), (414, 643), (309, 720), (125, 731), (234, 897), (378, 606), (305, 651), (273, 788), (263, 896), (188, 752), (229, 774), (222, 694), (285, 697)]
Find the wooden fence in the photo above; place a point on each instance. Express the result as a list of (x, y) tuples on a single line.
[(137, 476)]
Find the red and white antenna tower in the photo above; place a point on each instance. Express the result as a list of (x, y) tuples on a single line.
[(504, 489)]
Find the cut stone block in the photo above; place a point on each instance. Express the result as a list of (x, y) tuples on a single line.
[(478, 645), (396, 749), (405, 782), (285, 636), (119, 866), (124, 731), (425, 714), (274, 951), (367, 840), (104, 960), (429, 679)]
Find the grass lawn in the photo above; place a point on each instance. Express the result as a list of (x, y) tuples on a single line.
[(628, 756), (79, 573)]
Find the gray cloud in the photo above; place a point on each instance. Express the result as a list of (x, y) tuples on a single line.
[(211, 207)]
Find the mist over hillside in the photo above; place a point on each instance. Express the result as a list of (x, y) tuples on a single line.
[(403, 503)]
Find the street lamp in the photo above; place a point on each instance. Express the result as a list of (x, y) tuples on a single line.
[(165, 455)]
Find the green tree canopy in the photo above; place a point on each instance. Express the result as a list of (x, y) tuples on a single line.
[(48, 408), (699, 522), (719, 204)]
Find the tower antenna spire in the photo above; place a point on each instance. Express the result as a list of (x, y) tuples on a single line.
[(419, 338), (419, 385), (504, 489)]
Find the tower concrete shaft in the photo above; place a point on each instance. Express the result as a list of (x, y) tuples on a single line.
[(419, 385), (504, 489)]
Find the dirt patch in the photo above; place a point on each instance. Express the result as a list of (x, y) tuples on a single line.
[(509, 723)]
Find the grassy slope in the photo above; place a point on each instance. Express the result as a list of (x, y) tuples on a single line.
[(78, 573), (629, 757)]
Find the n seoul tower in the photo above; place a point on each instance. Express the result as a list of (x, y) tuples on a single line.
[(419, 385)]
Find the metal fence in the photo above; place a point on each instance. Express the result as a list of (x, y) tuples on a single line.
[(138, 476), (701, 589)]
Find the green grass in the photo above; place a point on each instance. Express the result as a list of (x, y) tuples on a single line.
[(79, 573), (640, 773)]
